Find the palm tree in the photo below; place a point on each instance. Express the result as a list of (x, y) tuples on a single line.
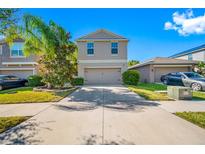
[(132, 62), (52, 43)]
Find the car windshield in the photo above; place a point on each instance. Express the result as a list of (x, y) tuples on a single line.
[(193, 75)]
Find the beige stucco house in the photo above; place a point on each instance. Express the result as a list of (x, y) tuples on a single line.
[(196, 53), (152, 70), (102, 57), (14, 62)]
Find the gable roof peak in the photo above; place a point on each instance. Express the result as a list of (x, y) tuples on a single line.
[(102, 34)]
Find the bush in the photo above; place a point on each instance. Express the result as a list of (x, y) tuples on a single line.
[(35, 80), (77, 81), (131, 77)]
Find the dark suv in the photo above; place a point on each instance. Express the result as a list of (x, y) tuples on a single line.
[(187, 79), (10, 81)]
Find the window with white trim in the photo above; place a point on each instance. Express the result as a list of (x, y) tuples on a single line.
[(114, 48), (17, 49), (90, 48)]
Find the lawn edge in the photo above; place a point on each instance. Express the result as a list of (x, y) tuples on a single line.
[(188, 120), (47, 102), (27, 118)]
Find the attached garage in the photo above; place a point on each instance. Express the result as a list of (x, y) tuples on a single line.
[(152, 70), (102, 75), (159, 71), (19, 73)]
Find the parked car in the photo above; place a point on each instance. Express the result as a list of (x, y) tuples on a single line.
[(187, 79), (10, 81)]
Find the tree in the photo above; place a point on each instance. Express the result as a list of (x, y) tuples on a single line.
[(200, 68), (9, 23), (52, 43), (132, 62)]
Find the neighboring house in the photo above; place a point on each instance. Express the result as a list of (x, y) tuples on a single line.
[(102, 57), (197, 53), (152, 70), (14, 62)]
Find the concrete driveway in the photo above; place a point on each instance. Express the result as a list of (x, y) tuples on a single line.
[(104, 115)]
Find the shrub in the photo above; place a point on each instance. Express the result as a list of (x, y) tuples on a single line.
[(131, 77), (35, 80), (77, 81)]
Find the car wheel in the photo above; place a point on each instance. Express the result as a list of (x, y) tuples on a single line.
[(25, 84), (1, 87), (196, 86)]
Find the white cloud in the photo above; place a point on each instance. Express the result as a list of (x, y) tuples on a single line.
[(186, 23)]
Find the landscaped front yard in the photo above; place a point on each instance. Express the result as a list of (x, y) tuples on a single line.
[(197, 118), (27, 95), (8, 122), (148, 91)]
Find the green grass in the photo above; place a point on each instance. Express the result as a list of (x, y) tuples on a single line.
[(14, 90), (197, 118), (151, 86), (146, 90), (8, 122), (198, 95), (26, 95), (143, 89)]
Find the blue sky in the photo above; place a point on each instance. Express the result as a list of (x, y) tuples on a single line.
[(143, 27)]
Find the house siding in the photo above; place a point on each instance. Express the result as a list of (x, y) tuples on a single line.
[(5, 57), (26, 69), (102, 51), (82, 67), (102, 57), (145, 73), (197, 56), (159, 71), (183, 57)]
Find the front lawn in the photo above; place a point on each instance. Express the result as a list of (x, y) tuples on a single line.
[(26, 95), (197, 95), (151, 86), (15, 90), (197, 118), (8, 122), (147, 90)]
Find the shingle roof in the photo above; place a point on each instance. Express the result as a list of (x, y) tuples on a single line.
[(101, 34), (195, 49), (165, 61)]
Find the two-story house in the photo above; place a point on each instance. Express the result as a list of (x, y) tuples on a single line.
[(102, 57), (196, 53), (14, 62)]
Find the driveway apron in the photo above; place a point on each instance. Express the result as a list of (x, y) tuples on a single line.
[(104, 115)]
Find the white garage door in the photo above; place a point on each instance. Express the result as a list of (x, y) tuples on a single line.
[(165, 70), (102, 75), (19, 73)]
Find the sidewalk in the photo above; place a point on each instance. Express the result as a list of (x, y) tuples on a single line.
[(104, 115), (180, 106), (27, 109)]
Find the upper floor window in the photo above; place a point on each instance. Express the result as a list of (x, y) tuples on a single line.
[(90, 48), (114, 48), (190, 57), (17, 49)]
